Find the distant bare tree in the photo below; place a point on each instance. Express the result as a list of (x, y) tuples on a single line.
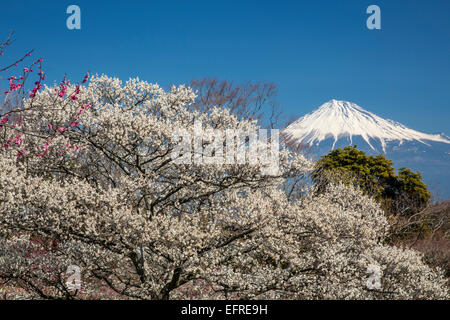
[(247, 101)]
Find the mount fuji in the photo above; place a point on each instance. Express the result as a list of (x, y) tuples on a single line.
[(337, 124)]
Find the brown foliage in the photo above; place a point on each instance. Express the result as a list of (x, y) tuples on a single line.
[(427, 232)]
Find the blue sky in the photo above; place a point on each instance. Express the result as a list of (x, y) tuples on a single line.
[(312, 50)]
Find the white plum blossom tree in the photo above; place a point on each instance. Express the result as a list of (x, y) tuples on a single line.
[(87, 179)]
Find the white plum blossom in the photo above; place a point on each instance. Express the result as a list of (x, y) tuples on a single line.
[(92, 183)]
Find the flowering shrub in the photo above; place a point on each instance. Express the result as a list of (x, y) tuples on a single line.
[(88, 170)]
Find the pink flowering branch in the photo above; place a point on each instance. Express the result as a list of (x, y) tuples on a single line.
[(7, 43), (15, 63), (17, 84)]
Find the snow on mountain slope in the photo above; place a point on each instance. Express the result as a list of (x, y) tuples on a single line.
[(338, 119)]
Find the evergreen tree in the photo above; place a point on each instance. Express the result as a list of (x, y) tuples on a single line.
[(403, 193)]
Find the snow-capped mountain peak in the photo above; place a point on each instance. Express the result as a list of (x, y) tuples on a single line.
[(338, 119)]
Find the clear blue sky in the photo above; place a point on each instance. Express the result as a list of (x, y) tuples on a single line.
[(313, 50)]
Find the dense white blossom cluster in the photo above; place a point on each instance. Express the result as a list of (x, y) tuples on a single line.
[(91, 182)]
